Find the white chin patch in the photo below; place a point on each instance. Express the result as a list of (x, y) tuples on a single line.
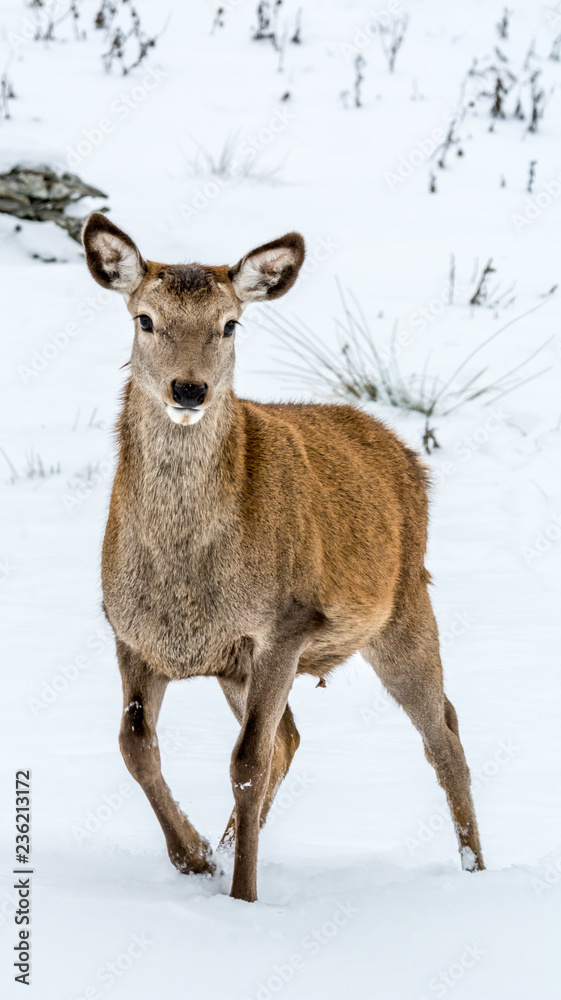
[(185, 417)]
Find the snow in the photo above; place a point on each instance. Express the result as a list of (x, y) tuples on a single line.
[(361, 892)]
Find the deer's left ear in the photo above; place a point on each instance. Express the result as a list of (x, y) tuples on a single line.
[(113, 259), (269, 271)]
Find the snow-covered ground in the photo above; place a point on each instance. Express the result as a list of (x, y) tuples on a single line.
[(361, 894)]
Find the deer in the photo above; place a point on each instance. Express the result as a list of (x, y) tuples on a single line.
[(254, 542)]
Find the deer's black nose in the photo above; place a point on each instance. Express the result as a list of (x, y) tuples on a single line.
[(188, 395)]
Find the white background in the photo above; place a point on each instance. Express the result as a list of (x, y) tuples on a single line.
[(361, 823)]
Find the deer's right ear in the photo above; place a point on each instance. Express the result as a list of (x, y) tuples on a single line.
[(113, 259)]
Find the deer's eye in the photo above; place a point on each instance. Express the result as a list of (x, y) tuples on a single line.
[(230, 327), (146, 324)]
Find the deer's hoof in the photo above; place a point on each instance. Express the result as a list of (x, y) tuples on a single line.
[(227, 845), (197, 861), (245, 895), (471, 862)]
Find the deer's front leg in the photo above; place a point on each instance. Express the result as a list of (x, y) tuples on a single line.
[(268, 690), (143, 692)]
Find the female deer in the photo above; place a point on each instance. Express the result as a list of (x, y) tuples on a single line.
[(252, 542)]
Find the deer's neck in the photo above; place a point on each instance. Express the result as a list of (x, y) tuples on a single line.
[(181, 479)]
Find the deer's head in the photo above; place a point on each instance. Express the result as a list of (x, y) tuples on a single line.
[(185, 315)]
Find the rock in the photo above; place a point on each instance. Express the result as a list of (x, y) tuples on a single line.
[(41, 195)]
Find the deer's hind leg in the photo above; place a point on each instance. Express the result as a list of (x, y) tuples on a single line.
[(406, 657), (143, 692), (287, 741)]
